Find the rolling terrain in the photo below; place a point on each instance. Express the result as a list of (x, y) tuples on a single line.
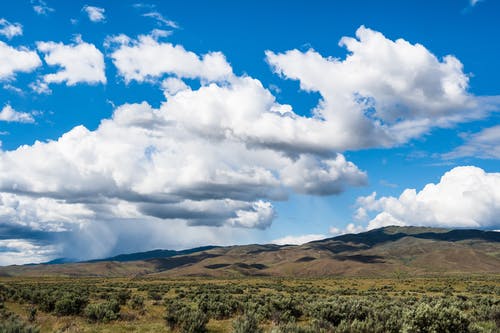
[(380, 252)]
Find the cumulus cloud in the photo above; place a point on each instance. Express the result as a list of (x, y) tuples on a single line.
[(484, 144), (80, 62), (351, 228), (391, 91), (466, 196), (8, 114), (298, 240), (321, 176), (14, 60), (220, 154), (153, 156), (96, 14), (204, 158), (20, 252), (10, 30), (42, 214), (172, 86), (146, 58)]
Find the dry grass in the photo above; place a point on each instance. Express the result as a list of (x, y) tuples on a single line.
[(151, 320)]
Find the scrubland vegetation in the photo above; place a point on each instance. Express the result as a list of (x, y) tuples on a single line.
[(450, 304)]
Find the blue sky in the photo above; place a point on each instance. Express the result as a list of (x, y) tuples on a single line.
[(127, 126)]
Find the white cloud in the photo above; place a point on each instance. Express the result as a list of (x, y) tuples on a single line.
[(20, 252), (321, 176), (351, 228), (79, 62), (43, 214), (204, 158), (142, 5), (146, 58), (466, 196), (298, 240), (10, 115), (14, 89), (10, 30), (386, 183), (391, 91), (40, 7), (220, 154), (95, 14), (153, 157), (159, 33), (161, 20), (14, 60), (484, 144), (172, 86), (40, 87)]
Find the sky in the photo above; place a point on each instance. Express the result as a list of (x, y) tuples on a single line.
[(128, 126)]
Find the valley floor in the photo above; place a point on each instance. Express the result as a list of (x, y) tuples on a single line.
[(398, 304)]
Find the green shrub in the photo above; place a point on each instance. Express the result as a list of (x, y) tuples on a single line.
[(32, 314), (248, 323), (437, 317), (70, 304), (137, 302), (219, 306), (193, 321), (155, 296), (341, 309), (182, 317), (46, 301), (173, 313), (11, 323), (103, 312), (495, 315), (122, 296), (357, 326), (293, 328)]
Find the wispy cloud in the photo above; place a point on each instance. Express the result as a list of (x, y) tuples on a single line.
[(485, 144), (40, 87), (161, 20), (40, 7), (386, 183), (12, 88), (141, 5), (472, 4)]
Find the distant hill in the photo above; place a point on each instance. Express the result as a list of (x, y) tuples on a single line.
[(380, 252), (153, 254)]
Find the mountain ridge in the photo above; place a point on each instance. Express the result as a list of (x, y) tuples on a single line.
[(157, 253), (378, 252)]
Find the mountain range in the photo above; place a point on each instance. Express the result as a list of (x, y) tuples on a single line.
[(380, 252)]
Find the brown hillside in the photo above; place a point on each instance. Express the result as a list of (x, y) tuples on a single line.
[(380, 252)]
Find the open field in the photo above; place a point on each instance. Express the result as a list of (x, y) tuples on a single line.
[(397, 304)]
